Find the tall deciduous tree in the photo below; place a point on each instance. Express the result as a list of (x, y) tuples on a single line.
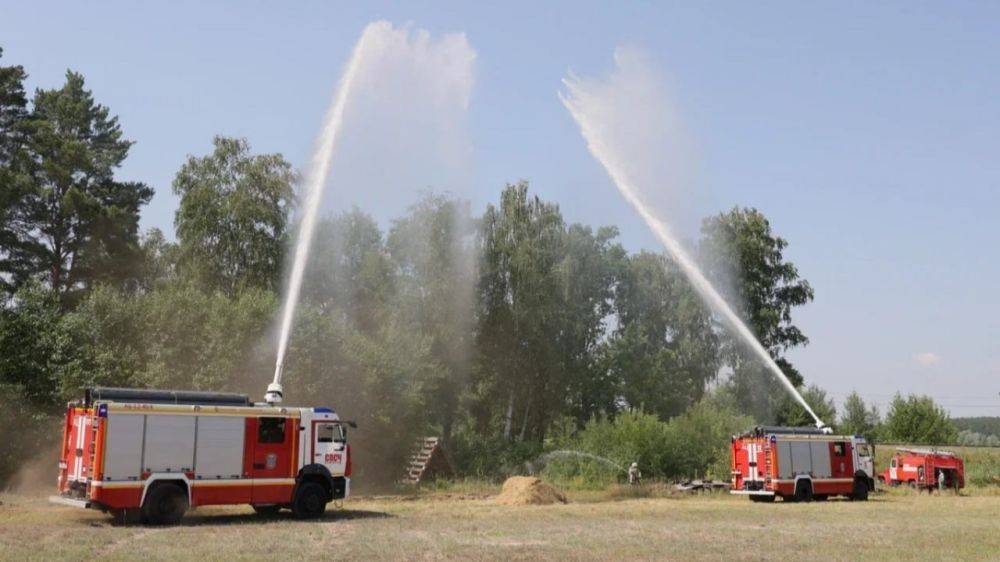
[(233, 215), (665, 349), (591, 269), (432, 250), (918, 420), (545, 293), (519, 278), (349, 274), (859, 419), (76, 224), (740, 253)]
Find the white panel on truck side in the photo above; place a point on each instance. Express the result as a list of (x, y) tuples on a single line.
[(785, 460), (169, 443), (821, 459), (801, 457), (123, 447), (220, 447)]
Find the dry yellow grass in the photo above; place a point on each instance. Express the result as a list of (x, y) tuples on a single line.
[(711, 527)]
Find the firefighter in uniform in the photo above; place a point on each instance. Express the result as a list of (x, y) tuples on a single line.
[(634, 476)]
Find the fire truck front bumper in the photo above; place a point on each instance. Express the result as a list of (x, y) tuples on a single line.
[(752, 492), (72, 502)]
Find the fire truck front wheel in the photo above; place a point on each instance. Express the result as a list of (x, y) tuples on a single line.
[(165, 504), (310, 501)]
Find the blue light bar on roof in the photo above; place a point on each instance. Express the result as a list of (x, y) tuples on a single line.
[(323, 410)]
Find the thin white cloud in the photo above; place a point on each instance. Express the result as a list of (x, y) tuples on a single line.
[(927, 358)]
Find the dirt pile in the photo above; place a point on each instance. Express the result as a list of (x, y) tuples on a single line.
[(528, 490)]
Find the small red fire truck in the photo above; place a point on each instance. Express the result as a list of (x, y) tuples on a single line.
[(922, 469), (150, 455), (801, 464)]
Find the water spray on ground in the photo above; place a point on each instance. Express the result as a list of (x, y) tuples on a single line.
[(571, 453), (594, 108)]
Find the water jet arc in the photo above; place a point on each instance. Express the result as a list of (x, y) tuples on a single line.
[(319, 169), (580, 102)]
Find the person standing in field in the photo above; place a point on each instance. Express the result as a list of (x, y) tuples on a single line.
[(941, 481), (634, 476)]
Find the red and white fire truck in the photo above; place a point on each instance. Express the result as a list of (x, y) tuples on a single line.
[(923, 469), (151, 454), (801, 464)]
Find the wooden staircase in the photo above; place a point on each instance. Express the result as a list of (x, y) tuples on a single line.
[(427, 461)]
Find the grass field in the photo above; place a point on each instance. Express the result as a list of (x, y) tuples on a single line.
[(895, 526)]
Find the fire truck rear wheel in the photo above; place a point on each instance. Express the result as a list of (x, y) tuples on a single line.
[(165, 504), (310, 501)]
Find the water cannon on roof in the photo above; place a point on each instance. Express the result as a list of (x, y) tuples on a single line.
[(275, 392)]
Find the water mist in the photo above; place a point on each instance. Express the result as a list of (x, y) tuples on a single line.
[(626, 122), (402, 98)]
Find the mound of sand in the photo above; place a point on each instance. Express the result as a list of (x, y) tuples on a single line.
[(528, 490)]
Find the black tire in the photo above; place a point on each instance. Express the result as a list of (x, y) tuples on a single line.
[(820, 498), (267, 510), (803, 491), (128, 516), (165, 505), (310, 501), (860, 491)]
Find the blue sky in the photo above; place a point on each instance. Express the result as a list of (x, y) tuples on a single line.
[(867, 133)]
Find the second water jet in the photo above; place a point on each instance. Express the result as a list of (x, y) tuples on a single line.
[(614, 117)]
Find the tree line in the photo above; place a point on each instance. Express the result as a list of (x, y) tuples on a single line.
[(505, 332)]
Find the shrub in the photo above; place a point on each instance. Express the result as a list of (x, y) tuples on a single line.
[(693, 444)]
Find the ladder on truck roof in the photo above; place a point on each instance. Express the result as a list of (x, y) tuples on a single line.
[(926, 452)]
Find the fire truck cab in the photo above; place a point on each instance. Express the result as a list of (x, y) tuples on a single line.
[(801, 464), (150, 455)]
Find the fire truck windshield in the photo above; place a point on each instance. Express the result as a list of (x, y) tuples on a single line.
[(330, 433), (863, 450)]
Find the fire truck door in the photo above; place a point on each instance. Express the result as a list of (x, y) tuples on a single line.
[(841, 459), (329, 442), (893, 475), (271, 458)]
